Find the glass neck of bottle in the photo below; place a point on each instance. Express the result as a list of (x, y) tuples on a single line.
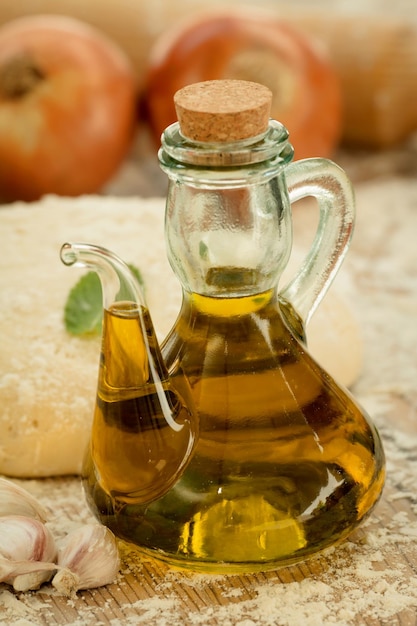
[(228, 222)]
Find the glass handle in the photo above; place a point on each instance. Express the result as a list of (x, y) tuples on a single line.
[(328, 183)]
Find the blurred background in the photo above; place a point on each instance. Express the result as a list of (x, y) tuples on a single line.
[(352, 78)]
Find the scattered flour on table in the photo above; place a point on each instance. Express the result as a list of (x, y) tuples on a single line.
[(366, 576), (373, 575)]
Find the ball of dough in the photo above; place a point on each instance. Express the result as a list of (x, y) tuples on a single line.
[(47, 377)]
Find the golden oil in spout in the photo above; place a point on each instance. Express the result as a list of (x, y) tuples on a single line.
[(143, 431)]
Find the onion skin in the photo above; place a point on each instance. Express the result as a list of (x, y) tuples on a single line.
[(376, 59), (67, 108), (251, 45)]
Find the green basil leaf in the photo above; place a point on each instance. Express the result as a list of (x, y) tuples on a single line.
[(83, 311)]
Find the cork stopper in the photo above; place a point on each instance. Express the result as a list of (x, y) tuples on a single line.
[(223, 110)]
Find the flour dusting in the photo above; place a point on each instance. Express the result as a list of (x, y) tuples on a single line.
[(371, 576)]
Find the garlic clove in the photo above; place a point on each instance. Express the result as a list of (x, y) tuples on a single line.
[(30, 581), (25, 543), (14, 500), (88, 557), (26, 575)]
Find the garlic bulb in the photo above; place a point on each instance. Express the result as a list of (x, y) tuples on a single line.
[(15, 500), (27, 552), (88, 557)]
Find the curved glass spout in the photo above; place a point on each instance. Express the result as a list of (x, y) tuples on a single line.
[(144, 427), (118, 282)]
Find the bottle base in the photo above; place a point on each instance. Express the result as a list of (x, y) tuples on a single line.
[(219, 568)]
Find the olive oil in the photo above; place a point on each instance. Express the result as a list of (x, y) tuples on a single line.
[(286, 462), (143, 432)]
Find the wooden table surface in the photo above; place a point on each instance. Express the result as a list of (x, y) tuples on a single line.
[(370, 579)]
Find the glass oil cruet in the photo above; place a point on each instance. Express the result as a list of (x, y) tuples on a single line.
[(229, 449)]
